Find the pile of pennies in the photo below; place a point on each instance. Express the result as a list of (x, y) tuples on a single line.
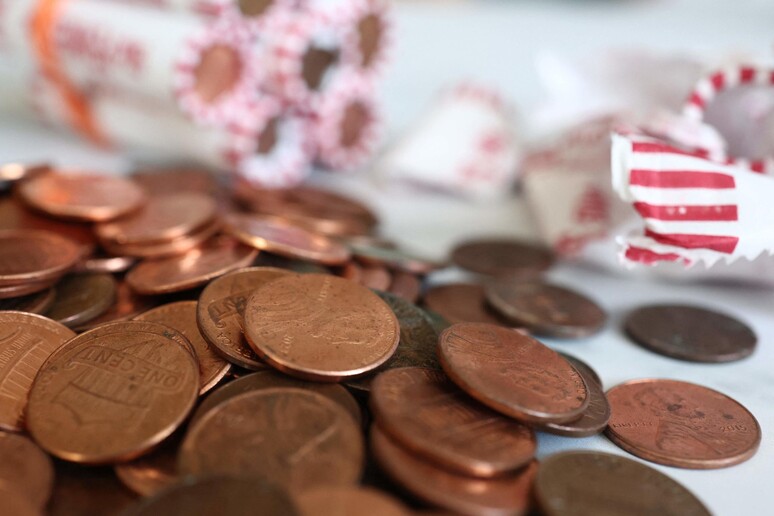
[(173, 345)]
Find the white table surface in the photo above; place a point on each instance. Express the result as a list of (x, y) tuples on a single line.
[(495, 42)]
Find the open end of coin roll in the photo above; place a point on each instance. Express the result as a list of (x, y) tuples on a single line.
[(370, 34), (317, 63), (254, 8), (218, 72), (355, 119)]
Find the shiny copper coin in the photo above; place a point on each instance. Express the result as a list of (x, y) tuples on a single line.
[(26, 341), (82, 491), (268, 379), (406, 285), (113, 393), (394, 259), (34, 256), (512, 373), (690, 333), (181, 316), (296, 438), (681, 424), (176, 179), (111, 264), (14, 215), (82, 297), (502, 257), (349, 501), (25, 469), (153, 472), (276, 236), (17, 504), (546, 309), (460, 302), (220, 313), (126, 305), (195, 268), (163, 248), (585, 483), (17, 171), (320, 327), (426, 413), (24, 289), (36, 303), (88, 197), (507, 495)]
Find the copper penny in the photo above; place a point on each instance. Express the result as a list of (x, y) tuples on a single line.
[(25, 469), (406, 285), (36, 303), (126, 305), (220, 313), (153, 472), (175, 179), (502, 257), (88, 197), (349, 501), (12, 172), (268, 379), (690, 333), (23, 289), (195, 268), (181, 316), (297, 438), (585, 483), (393, 258), (460, 302), (426, 413), (34, 256), (320, 327), (681, 424), (176, 246), (512, 373), (17, 504), (507, 495), (111, 264), (82, 297), (85, 491), (14, 215), (546, 309), (26, 341), (275, 236), (376, 277), (113, 393)]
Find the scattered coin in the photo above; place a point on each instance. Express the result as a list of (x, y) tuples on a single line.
[(546, 309), (681, 424), (25, 289), (86, 491), (460, 302), (153, 472), (584, 483), (14, 215), (174, 247), (376, 277), (113, 393), (81, 298), (406, 285), (512, 373), (427, 414), (16, 504), (34, 256), (690, 333), (171, 180), (36, 303), (320, 327), (349, 501), (127, 304), (25, 469), (502, 257), (393, 258)]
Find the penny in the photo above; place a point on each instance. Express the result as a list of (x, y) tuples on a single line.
[(16, 504), (376, 277), (499, 496), (153, 472), (502, 257), (86, 491), (163, 248), (352, 271), (172, 180), (297, 438), (181, 316), (217, 496), (82, 297), (26, 341), (438, 322), (290, 264), (198, 266), (681, 424), (220, 313), (583, 368), (25, 289), (406, 285), (25, 469), (36, 303), (546, 309), (267, 379), (460, 302), (14, 215), (112, 264), (586, 483), (426, 413), (112, 393), (17, 171), (279, 237), (320, 327), (690, 333), (512, 373), (349, 501), (88, 197), (127, 304), (393, 258), (34, 256)]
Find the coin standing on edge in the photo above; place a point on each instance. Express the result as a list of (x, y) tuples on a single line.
[(502, 257), (25, 469), (349, 501)]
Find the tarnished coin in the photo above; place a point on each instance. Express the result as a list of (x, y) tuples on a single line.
[(507, 495), (89, 197), (221, 309), (195, 268), (585, 483), (153, 472), (320, 327), (393, 258), (26, 341), (274, 235), (681, 424), (297, 438), (546, 309), (460, 302), (690, 333), (406, 285), (17, 504), (113, 393), (23, 289), (82, 491), (81, 298), (36, 303), (427, 414), (35, 256), (181, 316), (349, 501), (162, 248), (502, 257), (512, 373), (25, 469), (127, 305)]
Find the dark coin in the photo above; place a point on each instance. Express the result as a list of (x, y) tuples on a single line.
[(546, 309), (36, 303), (690, 333), (127, 305), (502, 257), (87, 491), (581, 483), (460, 302), (393, 258), (81, 298)]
